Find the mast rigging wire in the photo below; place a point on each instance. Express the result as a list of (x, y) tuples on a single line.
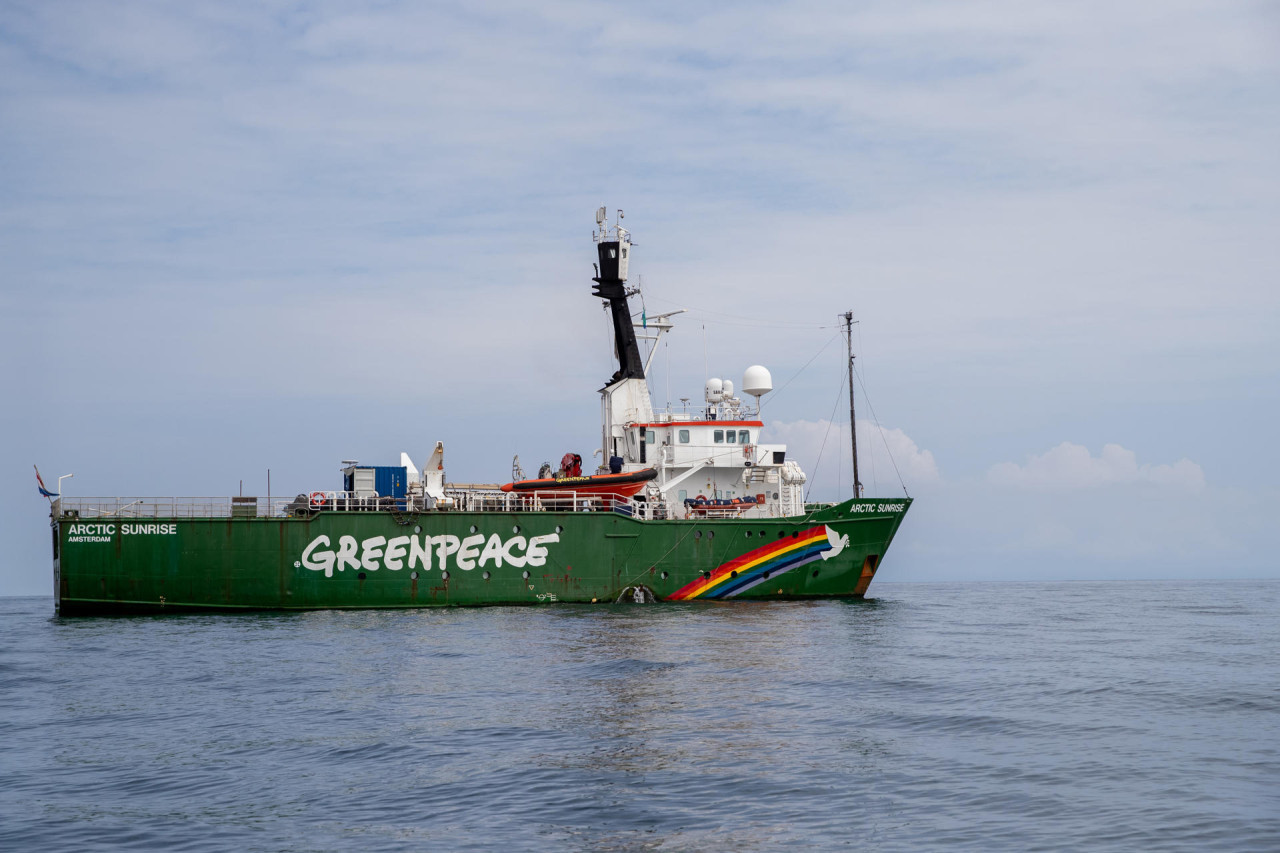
[(775, 394), (830, 420), (745, 321), (875, 483), (884, 440)]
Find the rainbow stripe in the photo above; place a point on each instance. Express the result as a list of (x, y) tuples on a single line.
[(757, 566)]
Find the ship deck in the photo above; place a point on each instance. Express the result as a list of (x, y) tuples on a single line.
[(467, 499)]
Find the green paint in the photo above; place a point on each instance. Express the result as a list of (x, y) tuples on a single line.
[(123, 565)]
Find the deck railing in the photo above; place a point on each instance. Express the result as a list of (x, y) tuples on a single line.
[(465, 500), (173, 507), (495, 500)]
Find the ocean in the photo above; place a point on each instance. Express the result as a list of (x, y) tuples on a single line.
[(1012, 716)]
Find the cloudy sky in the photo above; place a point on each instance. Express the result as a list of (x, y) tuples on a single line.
[(246, 236)]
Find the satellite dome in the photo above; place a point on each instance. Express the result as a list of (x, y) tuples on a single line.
[(756, 381), (715, 390)]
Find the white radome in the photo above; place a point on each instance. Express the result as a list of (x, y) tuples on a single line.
[(715, 390), (756, 381)]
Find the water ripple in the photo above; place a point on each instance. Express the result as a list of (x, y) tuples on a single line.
[(995, 717)]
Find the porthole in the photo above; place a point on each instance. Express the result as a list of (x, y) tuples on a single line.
[(515, 529), (444, 576), (360, 576), (485, 576), (761, 534), (664, 575), (733, 574), (781, 533), (417, 528), (748, 534), (706, 575), (766, 574), (473, 528), (711, 534), (815, 573), (795, 534), (413, 576), (559, 529), (697, 534), (524, 575)]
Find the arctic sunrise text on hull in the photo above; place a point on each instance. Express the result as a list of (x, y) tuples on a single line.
[(689, 507)]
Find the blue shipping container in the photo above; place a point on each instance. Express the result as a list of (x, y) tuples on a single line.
[(389, 481)]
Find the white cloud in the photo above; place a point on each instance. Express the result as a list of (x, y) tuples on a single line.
[(1072, 466), (822, 449)]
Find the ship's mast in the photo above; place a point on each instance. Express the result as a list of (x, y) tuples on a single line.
[(624, 399), (611, 284), (853, 428)]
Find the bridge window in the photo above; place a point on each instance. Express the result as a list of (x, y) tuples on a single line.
[(744, 436), (719, 437), (732, 437), (684, 436), (650, 437)]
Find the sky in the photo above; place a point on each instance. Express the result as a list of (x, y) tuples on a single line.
[(241, 237)]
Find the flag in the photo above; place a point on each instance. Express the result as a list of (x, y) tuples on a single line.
[(40, 481), (644, 321)]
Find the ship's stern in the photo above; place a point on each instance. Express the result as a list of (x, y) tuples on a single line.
[(55, 530)]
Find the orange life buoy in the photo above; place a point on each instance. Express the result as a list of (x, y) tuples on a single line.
[(701, 498), (316, 500)]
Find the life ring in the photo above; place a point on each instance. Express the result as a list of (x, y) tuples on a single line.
[(702, 498), (316, 499)]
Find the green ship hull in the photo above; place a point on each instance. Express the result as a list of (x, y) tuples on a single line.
[(392, 559), (686, 505)]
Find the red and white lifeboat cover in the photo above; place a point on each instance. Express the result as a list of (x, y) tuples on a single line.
[(622, 485)]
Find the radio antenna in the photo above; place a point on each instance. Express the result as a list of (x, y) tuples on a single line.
[(853, 423)]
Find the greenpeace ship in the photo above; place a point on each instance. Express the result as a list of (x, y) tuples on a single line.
[(684, 507)]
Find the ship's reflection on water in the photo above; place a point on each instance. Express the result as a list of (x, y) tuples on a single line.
[(677, 713)]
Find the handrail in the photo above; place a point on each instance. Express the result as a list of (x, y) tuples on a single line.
[(171, 507), (482, 499), (467, 500)]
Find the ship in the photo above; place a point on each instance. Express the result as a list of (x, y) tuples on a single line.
[(685, 506)]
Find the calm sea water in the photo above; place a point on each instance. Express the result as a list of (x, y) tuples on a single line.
[(1128, 716)]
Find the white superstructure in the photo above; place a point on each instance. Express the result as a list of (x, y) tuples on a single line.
[(711, 456)]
